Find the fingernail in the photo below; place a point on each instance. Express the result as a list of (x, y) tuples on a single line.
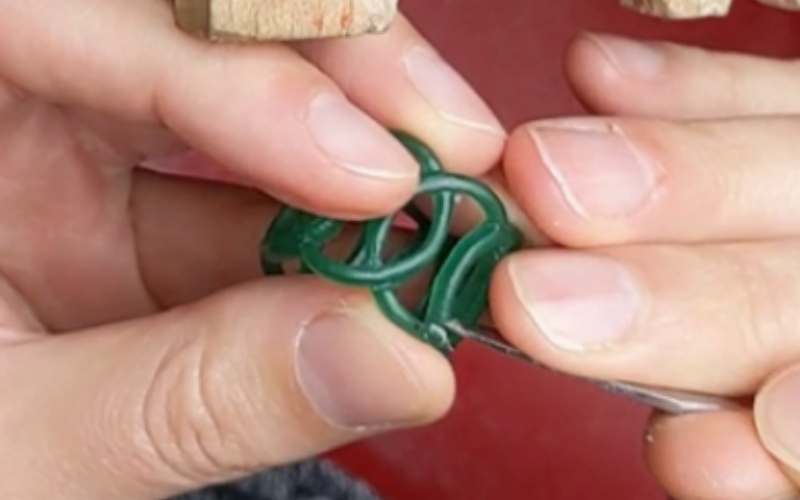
[(355, 142), (596, 167), (448, 92), (631, 58), (354, 376), (777, 411), (578, 302)]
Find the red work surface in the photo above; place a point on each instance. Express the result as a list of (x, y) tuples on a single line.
[(517, 433)]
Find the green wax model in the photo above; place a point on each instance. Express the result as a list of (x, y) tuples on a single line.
[(461, 266)]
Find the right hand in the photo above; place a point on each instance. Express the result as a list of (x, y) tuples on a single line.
[(678, 261)]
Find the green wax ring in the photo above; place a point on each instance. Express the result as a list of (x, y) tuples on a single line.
[(461, 266)]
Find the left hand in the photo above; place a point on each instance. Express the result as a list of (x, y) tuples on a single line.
[(681, 223), (141, 353)]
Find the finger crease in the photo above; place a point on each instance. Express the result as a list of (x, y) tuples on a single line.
[(136, 236)]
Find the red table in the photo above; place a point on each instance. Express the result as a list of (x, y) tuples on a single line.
[(516, 433)]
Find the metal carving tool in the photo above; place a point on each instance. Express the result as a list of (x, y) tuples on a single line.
[(666, 400)]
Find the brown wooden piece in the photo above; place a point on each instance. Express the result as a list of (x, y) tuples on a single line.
[(783, 4), (679, 9), (693, 9), (276, 20)]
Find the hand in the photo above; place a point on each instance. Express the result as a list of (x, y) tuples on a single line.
[(138, 357), (681, 262)]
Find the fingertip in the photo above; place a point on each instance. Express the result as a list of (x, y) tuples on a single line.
[(509, 313), (569, 309), (283, 127), (713, 456), (424, 367), (589, 73), (777, 407), (437, 376), (614, 74), (443, 105), (537, 194), (526, 176), (401, 80), (461, 150), (589, 182), (446, 109), (592, 76)]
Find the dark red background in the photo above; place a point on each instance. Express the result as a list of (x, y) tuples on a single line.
[(516, 433)]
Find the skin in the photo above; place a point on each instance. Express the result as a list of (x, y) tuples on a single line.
[(156, 361), (708, 255)]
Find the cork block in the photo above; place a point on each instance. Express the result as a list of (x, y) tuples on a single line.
[(694, 9), (783, 4), (283, 20), (680, 9)]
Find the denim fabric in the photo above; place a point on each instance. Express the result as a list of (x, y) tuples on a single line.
[(313, 480)]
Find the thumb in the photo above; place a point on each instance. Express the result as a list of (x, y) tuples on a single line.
[(777, 413), (255, 377)]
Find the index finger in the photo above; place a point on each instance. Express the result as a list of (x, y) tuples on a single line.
[(262, 111), (405, 83)]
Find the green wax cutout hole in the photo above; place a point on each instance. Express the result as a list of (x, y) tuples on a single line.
[(460, 266)]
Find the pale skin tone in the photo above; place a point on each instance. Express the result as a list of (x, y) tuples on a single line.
[(143, 356)]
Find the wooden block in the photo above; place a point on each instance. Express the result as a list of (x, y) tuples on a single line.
[(783, 4), (679, 9), (692, 9), (277, 20)]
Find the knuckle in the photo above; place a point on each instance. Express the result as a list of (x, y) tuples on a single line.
[(765, 322), (735, 86), (727, 192), (186, 423)]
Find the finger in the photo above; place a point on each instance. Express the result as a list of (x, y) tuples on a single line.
[(187, 245), (777, 408), (615, 181), (188, 248), (618, 75), (717, 319), (182, 240), (254, 377), (401, 80), (261, 111), (715, 456)]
